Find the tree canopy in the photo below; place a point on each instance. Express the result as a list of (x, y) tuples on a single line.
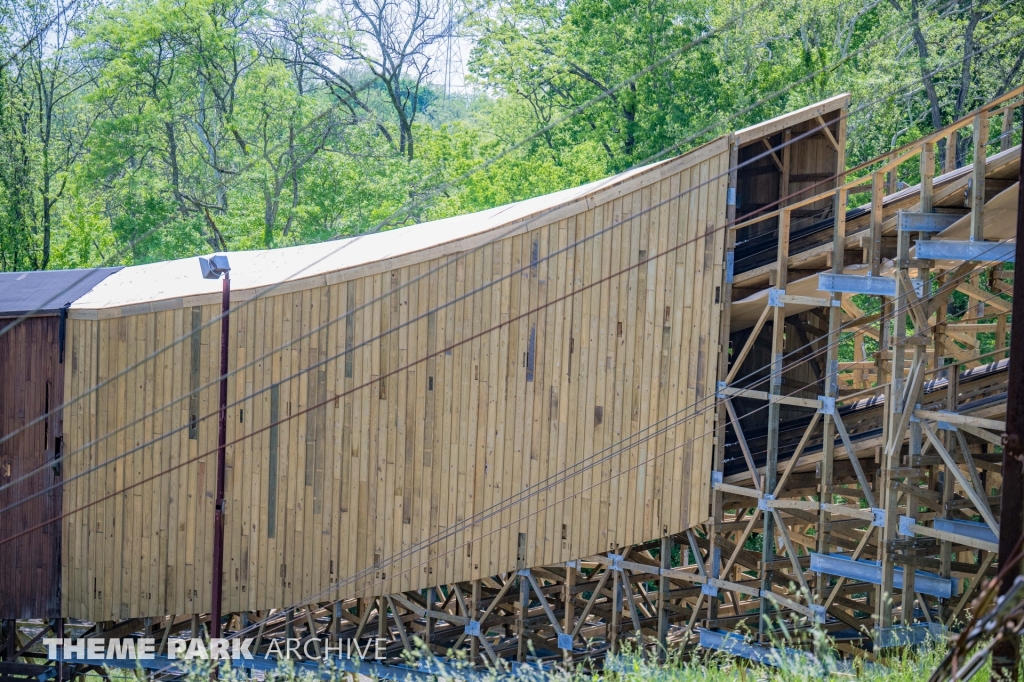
[(139, 130)]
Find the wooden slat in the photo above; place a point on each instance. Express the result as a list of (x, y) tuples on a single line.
[(364, 465)]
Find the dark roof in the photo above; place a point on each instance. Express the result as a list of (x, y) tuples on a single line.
[(45, 292)]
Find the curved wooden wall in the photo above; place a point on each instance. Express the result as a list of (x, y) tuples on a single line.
[(330, 492)]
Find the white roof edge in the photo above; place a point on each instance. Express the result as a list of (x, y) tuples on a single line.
[(179, 283), (772, 126)]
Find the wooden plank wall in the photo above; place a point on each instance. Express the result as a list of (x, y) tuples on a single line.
[(334, 490), (31, 381)]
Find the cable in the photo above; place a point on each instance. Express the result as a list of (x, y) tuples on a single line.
[(363, 386), (450, 532), (155, 353), (368, 341), (198, 457), (448, 184), (376, 228), (377, 566), (35, 36)]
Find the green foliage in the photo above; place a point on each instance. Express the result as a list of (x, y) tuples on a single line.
[(134, 131)]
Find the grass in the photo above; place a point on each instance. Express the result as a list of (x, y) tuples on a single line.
[(900, 665)]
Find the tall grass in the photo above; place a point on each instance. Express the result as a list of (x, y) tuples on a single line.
[(896, 665)]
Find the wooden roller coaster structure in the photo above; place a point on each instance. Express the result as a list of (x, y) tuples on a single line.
[(851, 456)]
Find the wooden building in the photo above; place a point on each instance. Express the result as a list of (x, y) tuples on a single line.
[(33, 319), (386, 390)]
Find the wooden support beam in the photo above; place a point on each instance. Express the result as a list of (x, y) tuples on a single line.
[(980, 503), (828, 133), (978, 177), (665, 563), (775, 386), (772, 155)]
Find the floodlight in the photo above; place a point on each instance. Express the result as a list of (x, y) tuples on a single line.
[(214, 266)]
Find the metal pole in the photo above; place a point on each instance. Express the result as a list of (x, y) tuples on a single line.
[(222, 433), (1006, 656)]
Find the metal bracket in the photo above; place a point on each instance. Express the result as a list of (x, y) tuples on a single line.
[(775, 298), (1000, 252), (616, 564), (734, 645), (818, 610), (574, 563), (877, 517), (871, 572), (716, 477), (473, 628), (886, 638), (720, 386), (857, 284), (913, 221), (972, 529), (828, 405), (709, 590), (524, 572), (565, 642), (730, 265), (730, 196), (906, 526), (762, 503)]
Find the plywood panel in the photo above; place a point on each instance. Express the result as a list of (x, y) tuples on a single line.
[(367, 461)]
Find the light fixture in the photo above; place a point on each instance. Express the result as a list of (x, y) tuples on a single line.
[(214, 266)]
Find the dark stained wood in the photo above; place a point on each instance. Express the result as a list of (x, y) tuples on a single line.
[(31, 379)]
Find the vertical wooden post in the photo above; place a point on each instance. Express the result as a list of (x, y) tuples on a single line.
[(787, 163), (892, 178), (875, 233), (1005, 137), (524, 602), (428, 634), (927, 176), (774, 413), (775, 387), (665, 562), (835, 322), (570, 608), (718, 463), (909, 595), (474, 610), (382, 618), (949, 163), (613, 633), (1006, 656), (978, 177)]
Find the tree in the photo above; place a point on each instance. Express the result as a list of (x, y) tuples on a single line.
[(44, 127)]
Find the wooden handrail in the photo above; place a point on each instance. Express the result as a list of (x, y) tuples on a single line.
[(912, 149)]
